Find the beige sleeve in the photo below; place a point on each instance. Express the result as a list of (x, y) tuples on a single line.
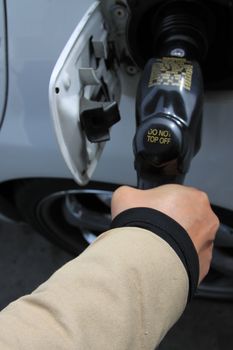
[(124, 292)]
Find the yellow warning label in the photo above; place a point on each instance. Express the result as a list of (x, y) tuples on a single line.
[(172, 71), (163, 137)]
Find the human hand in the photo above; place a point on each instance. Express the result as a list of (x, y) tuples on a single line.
[(186, 205)]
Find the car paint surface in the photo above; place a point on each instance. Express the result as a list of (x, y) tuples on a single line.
[(3, 60), (37, 33)]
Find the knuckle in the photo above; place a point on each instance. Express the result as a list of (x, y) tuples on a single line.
[(203, 196), (122, 193), (200, 195), (211, 250), (217, 222)]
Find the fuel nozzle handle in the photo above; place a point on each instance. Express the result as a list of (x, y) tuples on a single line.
[(169, 107)]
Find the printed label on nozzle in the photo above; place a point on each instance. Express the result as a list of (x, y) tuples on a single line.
[(172, 71), (163, 137)]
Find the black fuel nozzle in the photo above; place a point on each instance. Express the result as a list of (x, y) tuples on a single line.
[(169, 102), (169, 108)]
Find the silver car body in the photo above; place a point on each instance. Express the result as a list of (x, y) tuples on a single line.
[(37, 33)]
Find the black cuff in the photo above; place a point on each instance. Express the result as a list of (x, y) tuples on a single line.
[(169, 230)]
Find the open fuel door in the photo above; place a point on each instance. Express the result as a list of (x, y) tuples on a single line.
[(84, 93)]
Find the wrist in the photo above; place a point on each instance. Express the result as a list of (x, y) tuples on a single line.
[(170, 231)]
